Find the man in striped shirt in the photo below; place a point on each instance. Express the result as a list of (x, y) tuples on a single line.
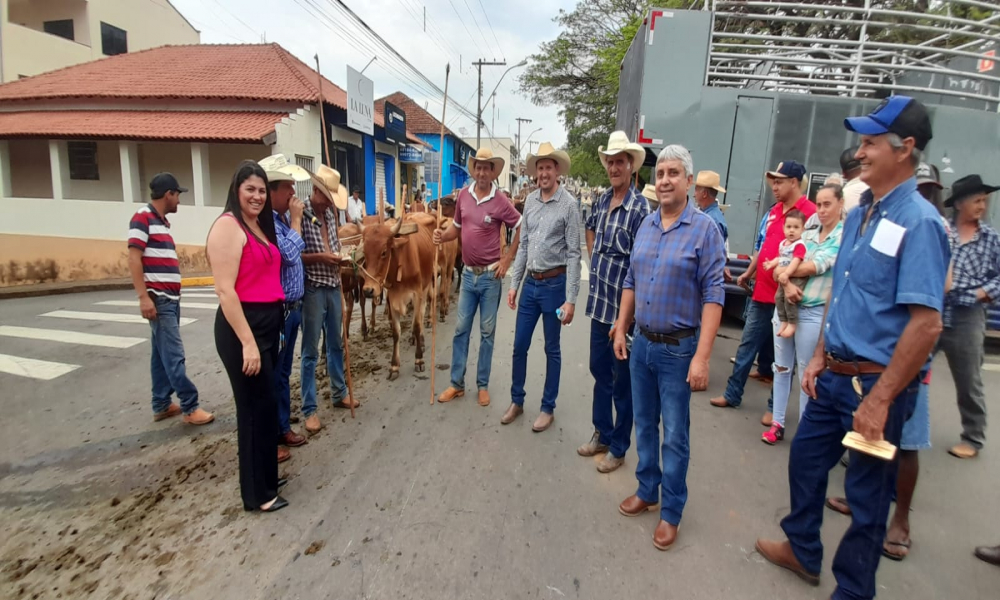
[(156, 276)]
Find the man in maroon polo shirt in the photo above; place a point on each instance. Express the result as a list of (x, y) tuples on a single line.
[(786, 185), (480, 210)]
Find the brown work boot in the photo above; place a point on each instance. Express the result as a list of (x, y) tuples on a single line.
[(513, 411), (610, 462), (780, 554), (963, 450), (291, 439), (283, 454), (593, 447), (199, 417), (450, 394), (484, 398), (543, 422), (172, 411), (312, 424), (664, 536), (633, 506)]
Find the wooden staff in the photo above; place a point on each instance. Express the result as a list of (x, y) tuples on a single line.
[(437, 248), (405, 202), (381, 206), (346, 326)]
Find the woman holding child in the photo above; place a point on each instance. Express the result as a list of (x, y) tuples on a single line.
[(822, 245)]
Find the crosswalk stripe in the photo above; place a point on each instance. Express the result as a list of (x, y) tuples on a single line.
[(991, 367), (584, 271), (110, 317), (135, 304), (185, 295), (35, 369), (70, 337)]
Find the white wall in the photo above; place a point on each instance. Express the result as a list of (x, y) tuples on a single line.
[(223, 160), (175, 157), (149, 23), (299, 134), (108, 186), (31, 176)]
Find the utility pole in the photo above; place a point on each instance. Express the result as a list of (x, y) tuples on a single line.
[(479, 64), (518, 143)]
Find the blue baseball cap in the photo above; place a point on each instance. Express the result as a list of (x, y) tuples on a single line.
[(901, 115), (788, 169)]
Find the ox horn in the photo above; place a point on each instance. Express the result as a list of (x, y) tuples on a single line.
[(396, 227)]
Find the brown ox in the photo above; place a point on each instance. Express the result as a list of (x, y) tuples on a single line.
[(352, 281), (447, 257), (403, 267)]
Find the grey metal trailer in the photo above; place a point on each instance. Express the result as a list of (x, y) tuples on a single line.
[(742, 102)]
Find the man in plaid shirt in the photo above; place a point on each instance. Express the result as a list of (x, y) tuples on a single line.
[(611, 231)]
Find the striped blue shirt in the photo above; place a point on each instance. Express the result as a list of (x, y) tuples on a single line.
[(614, 238), (291, 245), (674, 273)]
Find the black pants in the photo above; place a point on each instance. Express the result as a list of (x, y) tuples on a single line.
[(257, 426)]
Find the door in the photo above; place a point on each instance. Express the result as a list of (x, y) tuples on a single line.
[(745, 191), (381, 198)]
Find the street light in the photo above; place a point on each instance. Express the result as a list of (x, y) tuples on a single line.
[(527, 141), (479, 113)]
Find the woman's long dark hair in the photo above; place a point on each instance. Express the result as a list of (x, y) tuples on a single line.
[(247, 169)]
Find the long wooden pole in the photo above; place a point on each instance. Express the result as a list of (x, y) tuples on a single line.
[(345, 326), (437, 249)]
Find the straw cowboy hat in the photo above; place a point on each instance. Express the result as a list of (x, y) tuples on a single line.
[(278, 168), (618, 143), (709, 179), (327, 179), (486, 155), (649, 193), (547, 150)]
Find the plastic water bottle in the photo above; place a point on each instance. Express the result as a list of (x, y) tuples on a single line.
[(561, 315)]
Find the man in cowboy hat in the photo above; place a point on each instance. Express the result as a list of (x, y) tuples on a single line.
[(706, 192), (322, 309), (611, 231), (288, 211), (974, 283), (355, 207), (882, 321), (548, 259), (480, 210)]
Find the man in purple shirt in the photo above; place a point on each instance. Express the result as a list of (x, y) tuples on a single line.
[(480, 210), (673, 289)]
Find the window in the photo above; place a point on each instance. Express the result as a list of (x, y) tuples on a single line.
[(431, 166), (113, 40), (63, 28), (304, 188), (83, 160)]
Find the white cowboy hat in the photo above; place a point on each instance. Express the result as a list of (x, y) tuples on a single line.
[(486, 155), (649, 193), (709, 179), (547, 150), (327, 179), (618, 143), (278, 168)]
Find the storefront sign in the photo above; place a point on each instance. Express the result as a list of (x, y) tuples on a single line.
[(360, 102), (395, 124), (409, 154)]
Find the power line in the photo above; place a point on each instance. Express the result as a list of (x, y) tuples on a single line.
[(493, 31), (480, 29), (241, 21), (462, 21), (430, 28), (417, 18)]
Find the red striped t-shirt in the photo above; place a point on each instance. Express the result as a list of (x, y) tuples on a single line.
[(150, 232)]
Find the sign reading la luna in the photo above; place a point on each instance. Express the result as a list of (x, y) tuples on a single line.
[(360, 102)]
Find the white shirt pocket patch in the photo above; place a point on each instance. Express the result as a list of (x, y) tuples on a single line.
[(887, 238)]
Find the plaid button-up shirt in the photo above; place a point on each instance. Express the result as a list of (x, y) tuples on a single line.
[(614, 232), (976, 264), (291, 245), (318, 274), (674, 273)]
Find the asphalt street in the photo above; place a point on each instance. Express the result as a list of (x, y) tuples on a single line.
[(408, 500)]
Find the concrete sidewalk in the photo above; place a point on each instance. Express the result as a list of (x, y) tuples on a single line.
[(76, 287)]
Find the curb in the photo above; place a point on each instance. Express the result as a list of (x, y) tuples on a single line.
[(77, 287), (197, 281)]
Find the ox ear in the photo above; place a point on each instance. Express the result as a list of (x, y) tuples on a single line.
[(399, 242)]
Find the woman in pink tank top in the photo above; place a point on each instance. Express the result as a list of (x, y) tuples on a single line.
[(242, 249)]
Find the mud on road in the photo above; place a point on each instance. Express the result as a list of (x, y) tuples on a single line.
[(157, 514)]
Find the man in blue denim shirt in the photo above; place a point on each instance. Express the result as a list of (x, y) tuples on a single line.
[(288, 210), (882, 321)]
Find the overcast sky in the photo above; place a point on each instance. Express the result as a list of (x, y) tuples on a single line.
[(453, 36)]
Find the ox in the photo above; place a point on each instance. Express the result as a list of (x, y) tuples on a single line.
[(449, 253), (403, 267), (352, 281)]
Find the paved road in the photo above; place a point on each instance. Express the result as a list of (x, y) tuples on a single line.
[(408, 500)]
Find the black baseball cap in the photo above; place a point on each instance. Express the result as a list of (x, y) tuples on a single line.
[(847, 160), (163, 183), (901, 115)]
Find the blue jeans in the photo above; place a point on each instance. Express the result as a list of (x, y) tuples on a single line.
[(756, 340), (166, 365), (480, 292), (612, 386), (662, 394), (539, 298), (283, 370), (322, 311), (789, 352), (869, 484)]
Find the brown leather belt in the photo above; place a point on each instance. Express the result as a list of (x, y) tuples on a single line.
[(672, 339), (852, 368), (538, 275)]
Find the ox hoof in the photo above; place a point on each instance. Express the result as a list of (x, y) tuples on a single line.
[(394, 375), (419, 367), (440, 318)]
